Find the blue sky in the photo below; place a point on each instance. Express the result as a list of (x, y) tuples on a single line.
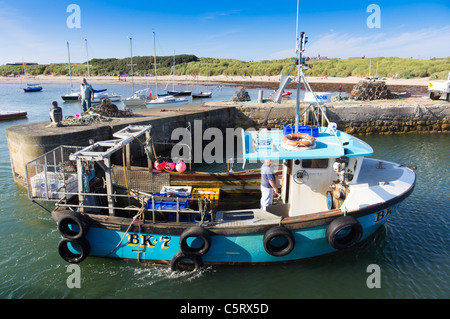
[(36, 31)]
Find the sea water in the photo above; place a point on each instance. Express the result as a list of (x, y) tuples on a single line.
[(411, 250)]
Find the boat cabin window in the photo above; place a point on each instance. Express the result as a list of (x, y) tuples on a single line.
[(315, 163)]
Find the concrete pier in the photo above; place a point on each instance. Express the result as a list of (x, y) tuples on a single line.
[(28, 141)]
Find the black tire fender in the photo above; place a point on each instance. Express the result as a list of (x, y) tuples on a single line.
[(73, 218), (68, 255), (178, 258), (199, 232), (278, 232), (338, 225)]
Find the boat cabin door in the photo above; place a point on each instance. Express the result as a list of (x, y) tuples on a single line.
[(309, 181)]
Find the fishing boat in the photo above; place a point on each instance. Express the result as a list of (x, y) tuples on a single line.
[(12, 115), (332, 197)]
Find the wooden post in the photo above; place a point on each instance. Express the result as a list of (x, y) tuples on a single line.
[(149, 162), (109, 186)]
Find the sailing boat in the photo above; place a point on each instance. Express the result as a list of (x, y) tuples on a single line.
[(162, 98), (173, 92), (31, 87), (201, 94), (99, 94), (72, 96), (139, 97)]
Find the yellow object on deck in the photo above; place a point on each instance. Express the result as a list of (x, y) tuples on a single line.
[(208, 193)]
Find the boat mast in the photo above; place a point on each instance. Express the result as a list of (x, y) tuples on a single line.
[(87, 57), (70, 69), (173, 76), (301, 43), (154, 56), (299, 70), (131, 64)]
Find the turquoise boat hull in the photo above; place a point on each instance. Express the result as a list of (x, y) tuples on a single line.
[(161, 248)]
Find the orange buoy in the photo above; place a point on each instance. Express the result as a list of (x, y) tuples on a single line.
[(298, 141)]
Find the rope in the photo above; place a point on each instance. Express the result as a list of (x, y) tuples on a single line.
[(146, 145), (292, 67), (140, 212), (201, 211)]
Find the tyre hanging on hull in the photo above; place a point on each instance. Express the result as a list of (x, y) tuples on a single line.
[(195, 232), (343, 232), (178, 262), (73, 225), (74, 251), (278, 234)]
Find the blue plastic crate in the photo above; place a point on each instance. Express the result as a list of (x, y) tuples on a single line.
[(305, 129), (169, 204)]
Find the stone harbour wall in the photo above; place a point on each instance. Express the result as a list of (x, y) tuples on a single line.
[(408, 116)]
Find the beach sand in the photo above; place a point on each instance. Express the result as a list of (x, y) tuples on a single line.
[(271, 82)]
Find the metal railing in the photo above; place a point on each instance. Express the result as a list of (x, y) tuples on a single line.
[(207, 204), (51, 175)]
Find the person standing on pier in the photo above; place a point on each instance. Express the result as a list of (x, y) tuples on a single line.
[(268, 184), (87, 94)]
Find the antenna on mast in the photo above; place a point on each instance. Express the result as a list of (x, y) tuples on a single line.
[(302, 39)]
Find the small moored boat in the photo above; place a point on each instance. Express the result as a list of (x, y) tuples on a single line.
[(169, 99), (201, 95), (32, 88), (11, 115)]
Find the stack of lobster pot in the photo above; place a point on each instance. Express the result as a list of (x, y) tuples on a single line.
[(371, 90)]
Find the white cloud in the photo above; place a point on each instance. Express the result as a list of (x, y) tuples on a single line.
[(423, 44), (215, 15)]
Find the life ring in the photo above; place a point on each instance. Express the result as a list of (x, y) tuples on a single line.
[(198, 232), (73, 225), (78, 244), (277, 232), (177, 264), (298, 141), (343, 232)]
